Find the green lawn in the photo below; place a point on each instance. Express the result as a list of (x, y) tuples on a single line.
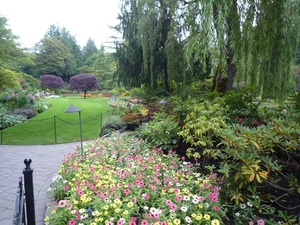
[(55, 126)]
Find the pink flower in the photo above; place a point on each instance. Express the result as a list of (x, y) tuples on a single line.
[(149, 216), (156, 215), (62, 203), (251, 223), (260, 222), (72, 222), (131, 223), (80, 193), (163, 223), (127, 191), (168, 202), (179, 198), (66, 188), (216, 208), (173, 207), (144, 222)]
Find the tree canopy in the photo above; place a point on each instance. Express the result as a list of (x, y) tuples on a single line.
[(53, 57), (52, 82), (84, 82)]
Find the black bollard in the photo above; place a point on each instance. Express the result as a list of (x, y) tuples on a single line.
[(29, 194)]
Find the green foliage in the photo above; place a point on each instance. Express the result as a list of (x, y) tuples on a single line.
[(203, 123), (53, 57), (9, 78), (242, 106), (160, 132), (11, 120)]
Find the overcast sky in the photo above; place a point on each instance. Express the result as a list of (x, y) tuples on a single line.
[(30, 19)]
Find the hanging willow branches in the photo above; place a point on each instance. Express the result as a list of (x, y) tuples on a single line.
[(253, 41), (242, 41)]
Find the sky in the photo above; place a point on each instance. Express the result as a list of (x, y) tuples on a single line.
[(31, 19)]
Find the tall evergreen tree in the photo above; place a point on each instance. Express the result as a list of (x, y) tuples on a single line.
[(69, 40), (89, 49)]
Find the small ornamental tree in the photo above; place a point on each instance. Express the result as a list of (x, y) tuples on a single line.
[(52, 82), (84, 82)]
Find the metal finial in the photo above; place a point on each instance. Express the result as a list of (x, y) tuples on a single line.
[(27, 162)]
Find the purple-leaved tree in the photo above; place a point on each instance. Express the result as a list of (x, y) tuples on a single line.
[(84, 82), (52, 82)]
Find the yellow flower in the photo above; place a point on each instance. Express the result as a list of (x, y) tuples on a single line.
[(199, 217), (93, 223), (176, 221), (193, 215), (215, 222), (46, 219), (206, 216), (125, 212), (117, 210), (130, 204), (106, 207)]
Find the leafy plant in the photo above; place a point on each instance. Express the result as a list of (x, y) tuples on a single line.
[(202, 125), (161, 131)]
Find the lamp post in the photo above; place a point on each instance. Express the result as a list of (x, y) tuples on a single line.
[(74, 109)]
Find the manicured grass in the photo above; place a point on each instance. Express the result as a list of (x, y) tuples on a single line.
[(41, 129)]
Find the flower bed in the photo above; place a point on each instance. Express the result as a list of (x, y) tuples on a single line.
[(122, 181)]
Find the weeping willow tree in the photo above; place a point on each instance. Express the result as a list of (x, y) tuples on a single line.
[(152, 50), (253, 41)]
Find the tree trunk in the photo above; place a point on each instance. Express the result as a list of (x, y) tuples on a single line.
[(84, 94), (224, 77)]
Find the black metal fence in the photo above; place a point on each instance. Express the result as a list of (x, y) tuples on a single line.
[(24, 206), (58, 125)]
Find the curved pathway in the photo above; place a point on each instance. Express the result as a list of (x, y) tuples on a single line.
[(46, 161)]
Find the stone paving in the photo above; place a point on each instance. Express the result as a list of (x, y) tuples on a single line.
[(46, 160)]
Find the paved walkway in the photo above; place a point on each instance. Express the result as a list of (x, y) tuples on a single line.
[(46, 160)]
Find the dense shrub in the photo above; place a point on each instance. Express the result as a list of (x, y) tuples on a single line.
[(11, 120), (41, 106), (161, 131), (26, 112)]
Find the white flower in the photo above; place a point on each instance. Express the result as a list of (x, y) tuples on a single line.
[(158, 211), (73, 212), (153, 210), (195, 200), (56, 178), (81, 211), (188, 219), (111, 219), (249, 204), (243, 206), (184, 208), (146, 207), (237, 214), (186, 198)]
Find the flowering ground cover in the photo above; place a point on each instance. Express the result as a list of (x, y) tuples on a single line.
[(121, 180)]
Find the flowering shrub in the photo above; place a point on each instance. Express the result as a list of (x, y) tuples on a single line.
[(122, 181), (131, 118)]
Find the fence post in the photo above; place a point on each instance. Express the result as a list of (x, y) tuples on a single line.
[(2, 124), (29, 194), (55, 130)]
